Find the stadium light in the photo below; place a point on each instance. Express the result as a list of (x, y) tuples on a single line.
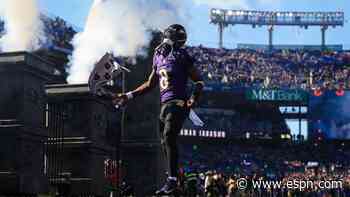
[(223, 18), (306, 18)]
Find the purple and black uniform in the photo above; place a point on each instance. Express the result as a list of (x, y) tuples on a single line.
[(172, 71)]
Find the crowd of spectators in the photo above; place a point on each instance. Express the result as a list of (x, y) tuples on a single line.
[(217, 184), (220, 167), (273, 69)]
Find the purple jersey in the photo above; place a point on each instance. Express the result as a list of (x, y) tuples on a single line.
[(172, 72)]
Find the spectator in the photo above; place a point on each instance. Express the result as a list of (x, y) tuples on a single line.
[(277, 69)]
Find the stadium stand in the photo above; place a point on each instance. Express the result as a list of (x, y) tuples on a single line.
[(273, 69), (227, 162)]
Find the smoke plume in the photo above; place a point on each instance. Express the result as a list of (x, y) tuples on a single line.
[(23, 27), (119, 26)]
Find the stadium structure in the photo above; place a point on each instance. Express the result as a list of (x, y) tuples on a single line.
[(264, 112), (223, 17)]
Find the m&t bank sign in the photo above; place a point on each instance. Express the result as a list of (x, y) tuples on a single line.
[(276, 95)]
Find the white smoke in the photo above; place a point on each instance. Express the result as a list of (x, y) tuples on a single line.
[(118, 26), (2, 4), (23, 27)]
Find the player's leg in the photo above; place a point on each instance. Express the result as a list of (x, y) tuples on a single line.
[(161, 134), (170, 142), (174, 117), (163, 148), (173, 124)]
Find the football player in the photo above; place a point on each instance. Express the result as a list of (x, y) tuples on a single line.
[(172, 66)]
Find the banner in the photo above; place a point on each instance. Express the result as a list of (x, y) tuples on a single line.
[(276, 95)]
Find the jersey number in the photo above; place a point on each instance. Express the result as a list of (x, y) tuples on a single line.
[(164, 79)]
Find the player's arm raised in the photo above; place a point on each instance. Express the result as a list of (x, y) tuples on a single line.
[(141, 90), (198, 86)]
